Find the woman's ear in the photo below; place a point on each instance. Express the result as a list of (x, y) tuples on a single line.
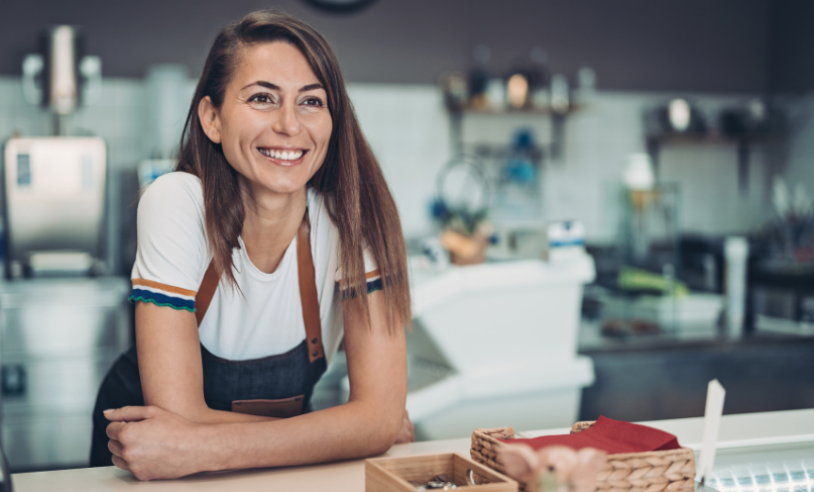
[(210, 119)]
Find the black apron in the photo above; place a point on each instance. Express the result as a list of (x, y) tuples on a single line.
[(275, 386)]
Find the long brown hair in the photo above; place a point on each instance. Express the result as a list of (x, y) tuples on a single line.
[(357, 197)]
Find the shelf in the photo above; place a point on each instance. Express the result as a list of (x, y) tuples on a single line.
[(554, 149), (742, 142), (713, 138), (512, 112)]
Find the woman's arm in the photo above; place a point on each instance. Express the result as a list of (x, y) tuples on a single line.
[(169, 355), (158, 444)]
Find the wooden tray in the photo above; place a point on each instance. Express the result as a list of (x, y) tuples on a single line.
[(393, 474)]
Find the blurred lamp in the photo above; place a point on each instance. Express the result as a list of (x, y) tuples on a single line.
[(517, 91), (679, 113)]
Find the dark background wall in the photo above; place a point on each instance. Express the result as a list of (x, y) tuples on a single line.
[(791, 67), (680, 45)]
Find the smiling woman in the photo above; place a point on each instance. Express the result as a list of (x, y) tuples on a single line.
[(276, 239)]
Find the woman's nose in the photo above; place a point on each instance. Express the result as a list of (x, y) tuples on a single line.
[(286, 120)]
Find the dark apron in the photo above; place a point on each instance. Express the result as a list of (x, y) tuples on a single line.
[(275, 386)]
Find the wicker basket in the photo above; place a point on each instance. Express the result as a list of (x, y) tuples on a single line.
[(655, 471)]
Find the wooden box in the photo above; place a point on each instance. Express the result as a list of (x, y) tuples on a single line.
[(394, 474)]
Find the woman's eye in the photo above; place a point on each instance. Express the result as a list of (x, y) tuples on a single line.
[(314, 101), (261, 99)]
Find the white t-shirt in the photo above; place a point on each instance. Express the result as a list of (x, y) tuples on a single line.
[(174, 253)]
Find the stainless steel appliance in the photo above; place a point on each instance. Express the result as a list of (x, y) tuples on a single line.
[(55, 196)]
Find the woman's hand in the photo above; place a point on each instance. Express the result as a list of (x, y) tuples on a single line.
[(152, 443), (407, 432)]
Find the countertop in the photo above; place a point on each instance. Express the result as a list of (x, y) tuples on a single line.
[(592, 342), (754, 429)]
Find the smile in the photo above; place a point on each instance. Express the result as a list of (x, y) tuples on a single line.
[(288, 156)]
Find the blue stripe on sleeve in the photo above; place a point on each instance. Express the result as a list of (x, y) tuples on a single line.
[(374, 285), (161, 300)]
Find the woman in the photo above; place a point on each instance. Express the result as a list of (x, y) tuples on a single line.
[(276, 239)]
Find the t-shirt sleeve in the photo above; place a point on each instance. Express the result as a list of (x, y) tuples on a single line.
[(372, 276), (173, 253)]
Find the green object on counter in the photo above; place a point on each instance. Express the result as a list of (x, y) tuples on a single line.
[(636, 279)]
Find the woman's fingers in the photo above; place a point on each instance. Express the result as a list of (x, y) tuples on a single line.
[(129, 414), (113, 430), (407, 431), (160, 445), (408, 426), (120, 416), (120, 463), (115, 447)]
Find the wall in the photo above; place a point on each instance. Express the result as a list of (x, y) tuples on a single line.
[(408, 130), (792, 75), (791, 46), (797, 157), (680, 45)]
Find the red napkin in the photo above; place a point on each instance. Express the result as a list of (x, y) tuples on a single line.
[(612, 436)]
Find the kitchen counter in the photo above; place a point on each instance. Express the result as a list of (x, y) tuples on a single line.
[(592, 342), (664, 376), (788, 428)]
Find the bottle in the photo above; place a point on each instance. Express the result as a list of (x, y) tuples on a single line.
[(479, 78), (736, 252), (586, 85), (560, 94), (2, 249), (539, 78)]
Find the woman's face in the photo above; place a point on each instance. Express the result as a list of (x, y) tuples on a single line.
[(274, 125)]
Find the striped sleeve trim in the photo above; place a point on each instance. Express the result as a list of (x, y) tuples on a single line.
[(374, 283), (153, 285), (162, 295)]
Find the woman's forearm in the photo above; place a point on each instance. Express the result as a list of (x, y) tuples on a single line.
[(209, 416), (202, 414), (316, 437)]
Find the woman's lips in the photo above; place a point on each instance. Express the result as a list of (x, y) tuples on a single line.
[(284, 157)]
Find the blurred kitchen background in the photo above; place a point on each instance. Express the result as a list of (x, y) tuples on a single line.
[(607, 202)]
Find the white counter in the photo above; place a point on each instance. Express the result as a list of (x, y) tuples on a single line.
[(736, 430), (507, 333)]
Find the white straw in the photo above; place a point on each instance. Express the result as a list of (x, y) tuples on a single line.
[(712, 422)]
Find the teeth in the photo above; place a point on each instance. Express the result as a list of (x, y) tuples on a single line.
[(283, 155)]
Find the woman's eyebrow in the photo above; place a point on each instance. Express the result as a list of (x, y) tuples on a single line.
[(274, 87), (311, 87), (265, 84)]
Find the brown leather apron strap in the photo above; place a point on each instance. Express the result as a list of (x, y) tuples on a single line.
[(308, 291), (206, 292)]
